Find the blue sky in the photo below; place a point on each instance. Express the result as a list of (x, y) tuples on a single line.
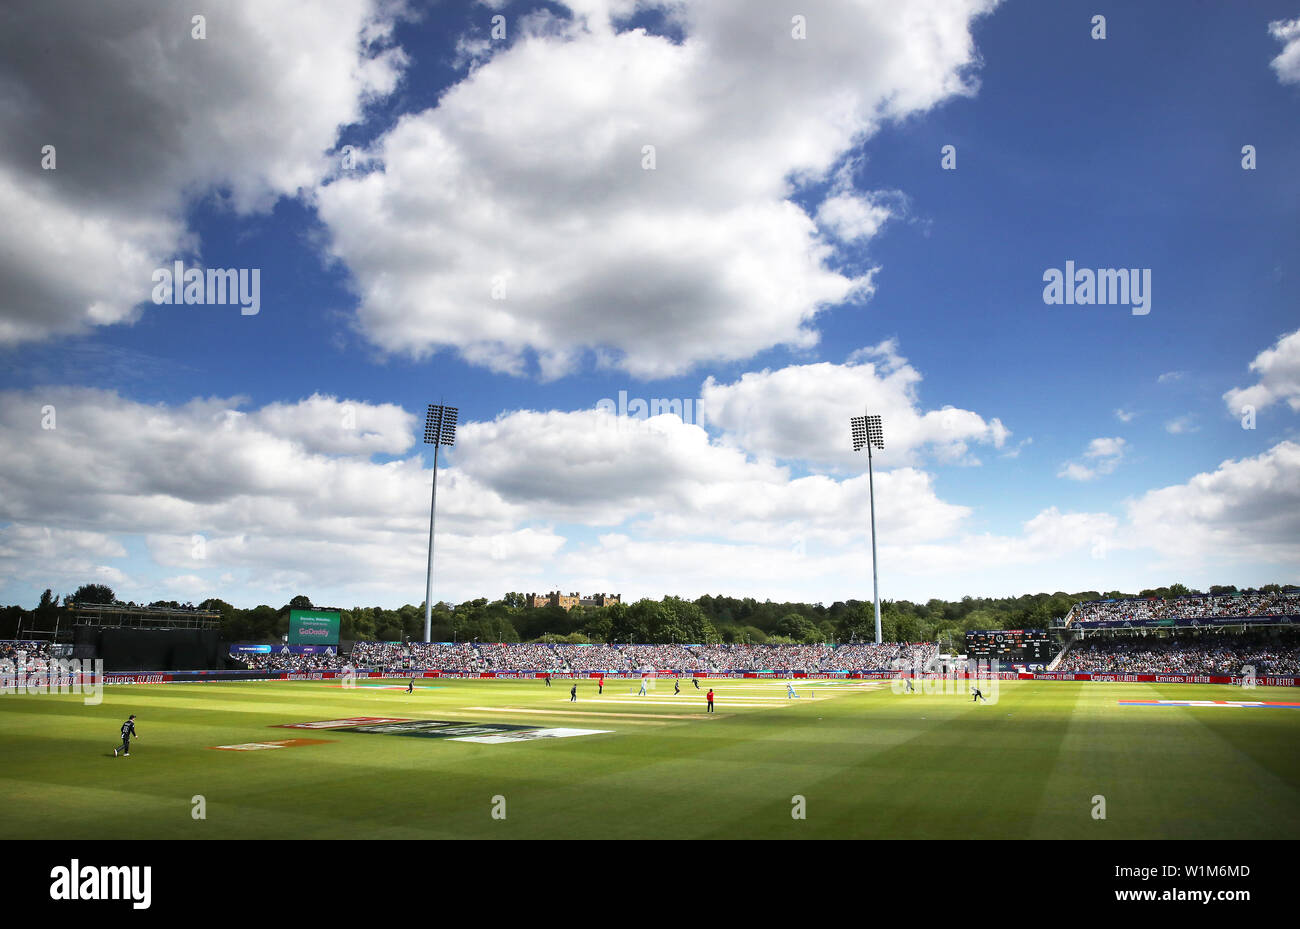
[(796, 255)]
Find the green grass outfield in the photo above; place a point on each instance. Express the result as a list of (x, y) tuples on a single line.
[(870, 763)]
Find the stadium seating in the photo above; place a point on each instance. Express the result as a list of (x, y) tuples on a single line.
[(1200, 608), (1199, 654)]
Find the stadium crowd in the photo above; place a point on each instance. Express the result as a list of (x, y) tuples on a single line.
[(279, 662), (448, 656), (12, 650), (1186, 654), (868, 656), (1202, 654), (583, 659), (534, 656), (1205, 607)]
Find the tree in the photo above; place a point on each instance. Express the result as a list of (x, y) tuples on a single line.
[(597, 625), (636, 622), (798, 628), (859, 621), (684, 622), (94, 593), (301, 602), (48, 608)]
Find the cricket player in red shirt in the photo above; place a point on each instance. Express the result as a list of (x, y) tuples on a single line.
[(709, 695)]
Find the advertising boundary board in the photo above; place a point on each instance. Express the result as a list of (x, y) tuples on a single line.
[(211, 677), (191, 677)]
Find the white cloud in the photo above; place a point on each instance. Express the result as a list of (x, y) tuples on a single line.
[(63, 559), (285, 510), (275, 504), (1278, 369), (668, 480), (332, 426), (1171, 377), (1181, 425), (1102, 456), (516, 217), (802, 412), (851, 216), (1245, 510), (154, 120), (1125, 416), (1287, 63), (532, 499), (1020, 447)]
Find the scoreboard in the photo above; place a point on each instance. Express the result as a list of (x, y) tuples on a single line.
[(1009, 646)]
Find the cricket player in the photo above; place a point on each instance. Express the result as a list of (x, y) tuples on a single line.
[(128, 730)]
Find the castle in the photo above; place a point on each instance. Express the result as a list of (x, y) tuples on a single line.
[(555, 598)]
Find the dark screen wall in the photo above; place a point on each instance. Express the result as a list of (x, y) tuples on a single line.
[(155, 649)]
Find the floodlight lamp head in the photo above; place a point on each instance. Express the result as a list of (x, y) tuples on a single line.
[(875, 432), (440, 425), (867, 430), (858, 426)]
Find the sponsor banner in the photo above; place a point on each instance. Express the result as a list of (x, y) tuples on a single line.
[(1186, 622), (168, 677), (515, 674), (313, 627), (528, 735), (265, 746), (1262, 680), (241, 649), (344, 723), (190, 677), (1232, 704), (319, 675)]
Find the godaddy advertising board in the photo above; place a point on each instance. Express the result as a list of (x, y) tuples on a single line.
[(313, 627)]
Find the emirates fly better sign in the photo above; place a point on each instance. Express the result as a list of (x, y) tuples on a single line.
[(313, 627)]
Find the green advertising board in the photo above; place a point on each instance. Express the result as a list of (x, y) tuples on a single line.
[(313, 627)]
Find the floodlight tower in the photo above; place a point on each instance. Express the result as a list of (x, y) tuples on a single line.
[(868, 430), (439, 430)]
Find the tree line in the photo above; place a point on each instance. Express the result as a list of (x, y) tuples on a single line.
[(671, 619)]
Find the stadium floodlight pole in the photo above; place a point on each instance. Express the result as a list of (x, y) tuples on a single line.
[(439, 430), (868, 430)]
